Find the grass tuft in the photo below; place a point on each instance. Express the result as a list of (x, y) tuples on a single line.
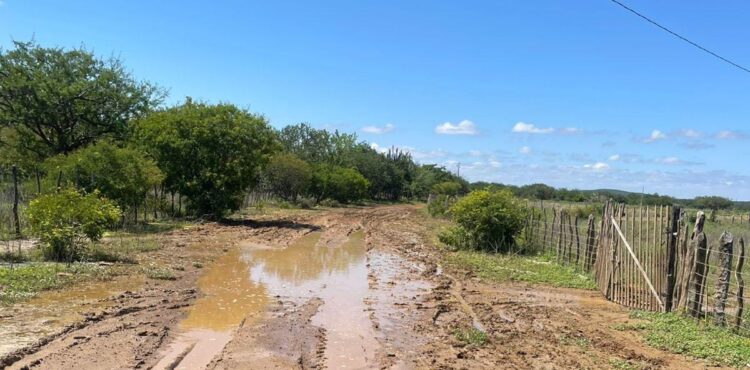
[(471, 336), (531, 269), (25, 281), (683, 335), (159, 273)]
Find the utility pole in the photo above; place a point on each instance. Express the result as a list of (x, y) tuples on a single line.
[(458, 171)]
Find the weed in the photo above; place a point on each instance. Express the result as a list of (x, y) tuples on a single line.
[(471, 336), (538, 269), (197, 265), (25, 281), (680, 334), (620, 364), (158, 273)]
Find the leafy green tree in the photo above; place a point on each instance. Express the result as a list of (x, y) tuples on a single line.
[(317, 146), (487, 220), (123, 175), (59, 100), (450, 188), (212, 154), (288, 176), (426, 176), (341, 184), (712, 202), (66, 220)]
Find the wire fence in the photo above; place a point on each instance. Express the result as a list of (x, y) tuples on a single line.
[(656, 258)]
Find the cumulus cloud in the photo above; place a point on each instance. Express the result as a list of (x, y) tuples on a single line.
[(464, 127), (524, 150), (598, 166), (656, 135), (378, 148), (614, 157), (690, 133), (529, 128), (377, 130), (728, 135)]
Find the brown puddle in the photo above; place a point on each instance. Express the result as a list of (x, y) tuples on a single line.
[(238, 286), (24, 323), (228, 298)]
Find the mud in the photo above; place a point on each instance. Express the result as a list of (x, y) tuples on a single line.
[(347, 288)]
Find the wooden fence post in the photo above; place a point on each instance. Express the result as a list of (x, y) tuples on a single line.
[(671, 258), (59, 180), (544, 242), (590, 240), (726, 242), (560, 234), (578, 243), (38, 183), (16, 219), (700, 246), (740, 285)]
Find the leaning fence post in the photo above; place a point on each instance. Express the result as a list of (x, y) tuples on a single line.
[(671, 258), (590, 240), (16, 219), (740, 284), (722, 283), (560, 234), (700, 246)]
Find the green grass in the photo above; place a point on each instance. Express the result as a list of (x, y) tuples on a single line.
[(471, 336), (683, 335), (25, 281), (159, 273), (530, 269)]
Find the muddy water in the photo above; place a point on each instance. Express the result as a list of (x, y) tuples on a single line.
[(229, 297), (24, 323), (238, 286)]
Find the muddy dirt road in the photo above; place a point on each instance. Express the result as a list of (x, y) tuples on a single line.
[(346, 288)]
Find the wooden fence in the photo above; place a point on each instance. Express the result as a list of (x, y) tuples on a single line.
[(650, 258)]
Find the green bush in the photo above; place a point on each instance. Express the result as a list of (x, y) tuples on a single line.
[(490, 219), (446, 188), (65, 221), (288, 176), (344, 185), (440, 205)]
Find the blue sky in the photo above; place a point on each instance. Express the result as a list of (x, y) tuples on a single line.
[(577, 93)]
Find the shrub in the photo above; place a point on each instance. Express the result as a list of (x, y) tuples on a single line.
[(344, 185), (440, 205), (490, 219), (64, 221), (211, 154), (288, 176), (447, 188)]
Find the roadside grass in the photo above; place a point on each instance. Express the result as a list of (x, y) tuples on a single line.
[(535, 269), (683, 335), (159, 273), (471, 336), (24, 281)]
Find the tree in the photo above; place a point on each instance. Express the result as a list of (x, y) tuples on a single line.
[(342, 184), (712, 202), (211, 154), (450, 188), (123, 175), (59, 100), (317, 146), (288, 176), (64, 221)]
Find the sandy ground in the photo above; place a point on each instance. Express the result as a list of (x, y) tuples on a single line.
[(345, 288)]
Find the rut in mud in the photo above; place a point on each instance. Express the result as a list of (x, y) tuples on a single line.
[(347, 288)]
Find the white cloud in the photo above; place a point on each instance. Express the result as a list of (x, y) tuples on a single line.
[(669, 160), (524, 150), (475, 153), (690, 133), (614, 157), (655, 136), (464, 127), (495, 164), (569, 130), (378, 148), (529, 128), (726, 135), (598, 166), (377, 130)]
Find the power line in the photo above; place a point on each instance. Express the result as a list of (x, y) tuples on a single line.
[(675, 34)]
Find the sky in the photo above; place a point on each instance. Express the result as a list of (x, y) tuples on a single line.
[(578, 94)]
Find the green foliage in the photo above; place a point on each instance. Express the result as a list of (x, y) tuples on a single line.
[(712, 203), (471, 336), (450, 188), (210, 154), (288, 176), (317, 146), (440, 205), (64, 221), (491, 219), (530, 269), (159, 273), (27, 280), (427, 176), (680, 334), (344, 185), (123, 175), (55, 101)]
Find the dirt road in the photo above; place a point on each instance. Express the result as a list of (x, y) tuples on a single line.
[(347, 288)]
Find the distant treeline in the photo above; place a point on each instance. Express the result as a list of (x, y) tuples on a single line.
[(546, 192)]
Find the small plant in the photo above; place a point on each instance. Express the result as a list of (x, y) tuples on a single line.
[(197, 265), (159, 273), (471, 336), (65, 221), (440, 205)]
